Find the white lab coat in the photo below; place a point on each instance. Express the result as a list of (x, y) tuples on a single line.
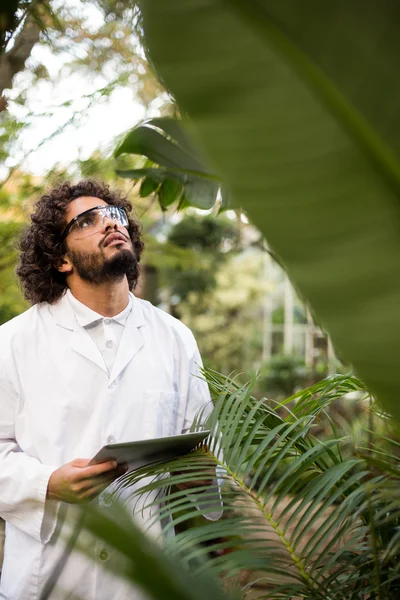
[(58, 403)]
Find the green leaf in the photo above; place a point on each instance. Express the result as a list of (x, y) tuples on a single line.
[(178, 160), (175, 130), (283, 527), (201, 193), (297, 110), (297, 515), (157, 174), (148, 186), (144, 140), (226, 200), (145, 559), (170, 191)]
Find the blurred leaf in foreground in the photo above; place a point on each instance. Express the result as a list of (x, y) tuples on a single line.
[(298, 112)]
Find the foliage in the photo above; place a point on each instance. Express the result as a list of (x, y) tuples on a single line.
[(95, 43), (204, 233), (325, 529), (296, 111), (181, 176), (211, 239), (140, 559), (11, 299), (226, 322), (282, 376)]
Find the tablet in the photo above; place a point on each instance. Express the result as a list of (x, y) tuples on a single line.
[(144, 452)]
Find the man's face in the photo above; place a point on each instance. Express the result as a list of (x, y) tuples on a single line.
[(105, 255)]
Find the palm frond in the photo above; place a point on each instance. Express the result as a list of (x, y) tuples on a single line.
[(303, 517)]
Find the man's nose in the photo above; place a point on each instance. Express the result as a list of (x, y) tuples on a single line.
[(109, 223)]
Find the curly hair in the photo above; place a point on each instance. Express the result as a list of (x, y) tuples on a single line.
[(41, 244)]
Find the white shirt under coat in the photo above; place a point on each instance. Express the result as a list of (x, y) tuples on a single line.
[(61, 399), (106, 332)]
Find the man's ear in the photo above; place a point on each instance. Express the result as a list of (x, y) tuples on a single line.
[(64, 265)]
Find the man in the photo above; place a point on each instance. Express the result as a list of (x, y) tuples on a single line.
[(87, 364)]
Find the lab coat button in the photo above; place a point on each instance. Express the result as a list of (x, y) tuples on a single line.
[(112, 385), (103, 556), (107, 321), (111, 439), (109, 344)]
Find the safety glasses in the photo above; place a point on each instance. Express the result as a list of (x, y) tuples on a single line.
[(91, 221)]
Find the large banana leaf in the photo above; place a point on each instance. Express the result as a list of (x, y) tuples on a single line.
[(296, 104)]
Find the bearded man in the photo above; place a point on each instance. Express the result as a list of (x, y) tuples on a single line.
[(87, 365)]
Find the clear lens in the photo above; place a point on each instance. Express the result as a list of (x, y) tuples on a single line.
[(88, 220), (92, 221)]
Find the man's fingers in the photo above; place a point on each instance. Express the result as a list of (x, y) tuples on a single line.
[(105, 478), (80, 462), (94, 470)]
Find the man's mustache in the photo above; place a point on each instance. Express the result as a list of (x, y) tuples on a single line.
[(103, 241)]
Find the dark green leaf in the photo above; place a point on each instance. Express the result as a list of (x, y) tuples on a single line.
[(148, 186), (145, 559), (170, 191)]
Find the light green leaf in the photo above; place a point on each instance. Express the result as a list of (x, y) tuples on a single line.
[(201, 193)]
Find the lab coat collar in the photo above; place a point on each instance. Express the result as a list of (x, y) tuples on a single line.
[(131, 342), (86, 316), (64, 315)]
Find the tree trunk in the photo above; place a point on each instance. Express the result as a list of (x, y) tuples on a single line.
[(13, 61)]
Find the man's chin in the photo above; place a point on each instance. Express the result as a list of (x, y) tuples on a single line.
[(121, 263)]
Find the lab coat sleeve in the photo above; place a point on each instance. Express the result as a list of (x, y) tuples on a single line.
[(199, 406), (23, 479)]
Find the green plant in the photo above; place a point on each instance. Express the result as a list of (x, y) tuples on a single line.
[(11, 299), (206, 236), (283, 375), (325, 529), (175, 171)]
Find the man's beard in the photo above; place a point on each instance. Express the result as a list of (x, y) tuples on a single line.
[(94, 268)]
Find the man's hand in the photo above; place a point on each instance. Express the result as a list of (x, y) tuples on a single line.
[(77, 482)]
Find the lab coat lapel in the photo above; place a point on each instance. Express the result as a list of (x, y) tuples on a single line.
[(132, 339), (83, 344), (80, 340)]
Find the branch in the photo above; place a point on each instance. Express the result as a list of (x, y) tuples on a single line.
[(14, 60)]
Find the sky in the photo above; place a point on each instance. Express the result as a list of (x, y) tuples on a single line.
[(98, 129)]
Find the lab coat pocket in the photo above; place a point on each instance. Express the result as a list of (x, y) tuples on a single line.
[(164, 413)]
